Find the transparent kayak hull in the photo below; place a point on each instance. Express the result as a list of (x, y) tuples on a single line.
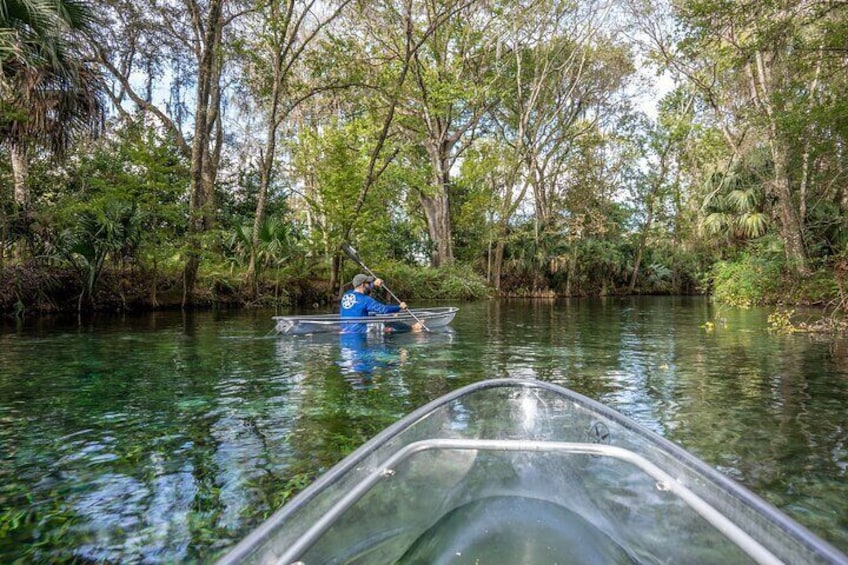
[(334, 323), (509, 471)]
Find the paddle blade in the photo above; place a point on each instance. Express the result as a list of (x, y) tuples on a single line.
[(351, 252)]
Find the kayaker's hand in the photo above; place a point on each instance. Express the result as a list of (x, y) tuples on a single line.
[(378, 283), (403, 305)]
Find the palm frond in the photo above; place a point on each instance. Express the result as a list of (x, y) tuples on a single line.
[(753, 224), (744, 200), (716, 223)]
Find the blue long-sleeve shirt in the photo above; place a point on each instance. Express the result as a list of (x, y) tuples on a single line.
[(356, 304)]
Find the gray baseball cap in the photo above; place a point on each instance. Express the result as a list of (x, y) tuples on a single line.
[(360, 278)]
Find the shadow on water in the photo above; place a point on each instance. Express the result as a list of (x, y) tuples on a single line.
[(167, 437)]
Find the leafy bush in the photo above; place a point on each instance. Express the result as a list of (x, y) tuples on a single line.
[(780, 322), (749, 280), (101, 228), (819, 288), (454, 282)]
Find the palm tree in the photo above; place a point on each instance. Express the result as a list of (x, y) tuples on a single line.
[(734, 208), (48, 93)]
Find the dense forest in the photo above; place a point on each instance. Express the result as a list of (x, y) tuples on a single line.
[(180, 152)]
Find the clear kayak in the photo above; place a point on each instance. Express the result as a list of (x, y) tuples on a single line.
[(334, 323), (509, 471)]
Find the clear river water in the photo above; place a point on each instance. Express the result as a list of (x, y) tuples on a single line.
[(167, 437)]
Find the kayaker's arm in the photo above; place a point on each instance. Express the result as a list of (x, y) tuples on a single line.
[(377, 307), (351, 252)]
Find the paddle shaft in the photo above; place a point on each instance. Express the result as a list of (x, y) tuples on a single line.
[(351, 252)]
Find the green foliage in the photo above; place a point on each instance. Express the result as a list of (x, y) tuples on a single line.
[(528, 257), (827, 229), (39, 530), (751, 279), (280, 243), (458, 282), (113, 203), (335, 160), (733, 208), (284, 270), (48, 90), (780, 321), (768, 86), (602, 266), (27, 285), (470, 212), (821, 288), (105, 228), (293, 486), (399, 230), (675, 269), (539, 144), (659, 277)]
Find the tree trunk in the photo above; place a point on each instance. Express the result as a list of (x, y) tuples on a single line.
[(212, 152), (267, 164), (437, 207), (4, 235), (437, 213), (540, 200), (261, 202), (843, 199), (154, 283), (572, 271), (640, 250), (791, 228), (497, 263), (203, 167), (634, 276), (20, 173)]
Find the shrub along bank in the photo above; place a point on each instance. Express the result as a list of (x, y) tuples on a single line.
[(755, 280), (27, 289), (750, 279)]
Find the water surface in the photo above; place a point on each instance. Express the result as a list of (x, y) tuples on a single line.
[(167, 437)]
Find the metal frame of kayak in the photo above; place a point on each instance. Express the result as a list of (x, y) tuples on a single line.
[(321, 323), (692, 474)]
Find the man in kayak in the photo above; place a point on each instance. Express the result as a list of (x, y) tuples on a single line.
[(358, 303)]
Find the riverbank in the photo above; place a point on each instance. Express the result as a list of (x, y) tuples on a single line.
[(32, 289)]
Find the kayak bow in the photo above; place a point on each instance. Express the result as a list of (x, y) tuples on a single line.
[(514, 471)]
